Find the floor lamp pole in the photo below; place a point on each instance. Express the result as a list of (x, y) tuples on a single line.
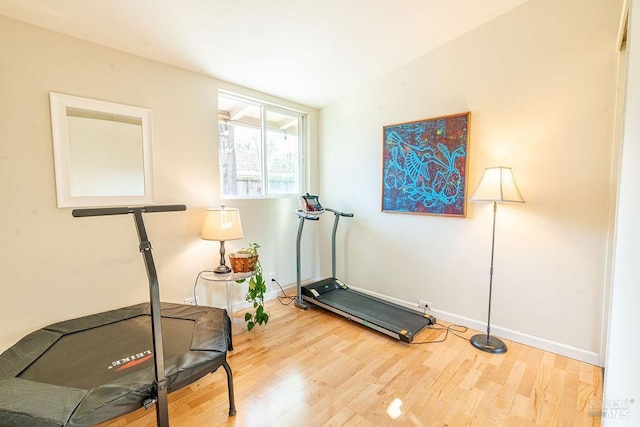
[(481, 341)]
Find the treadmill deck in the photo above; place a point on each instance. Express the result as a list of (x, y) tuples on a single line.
[(386, 317)]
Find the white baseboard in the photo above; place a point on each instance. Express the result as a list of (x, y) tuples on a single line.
[(523, 338), (273, 294), (506, 333)]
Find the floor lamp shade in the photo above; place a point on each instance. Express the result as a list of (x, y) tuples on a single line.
[(222, 224), (498, 186)]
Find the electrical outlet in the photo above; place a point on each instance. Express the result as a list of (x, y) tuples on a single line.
[(190, 301), (272, 277), (424, 304)]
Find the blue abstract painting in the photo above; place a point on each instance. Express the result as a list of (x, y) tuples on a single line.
[(425, 166)]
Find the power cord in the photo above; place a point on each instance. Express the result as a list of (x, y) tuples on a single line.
[(284, 298), (195, 284), (454, 329)]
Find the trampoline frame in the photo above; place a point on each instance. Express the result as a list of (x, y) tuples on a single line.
[(66, 408), (27, 402)]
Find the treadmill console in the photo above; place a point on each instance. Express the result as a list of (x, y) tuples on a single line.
[(311, 204), (316, 289)]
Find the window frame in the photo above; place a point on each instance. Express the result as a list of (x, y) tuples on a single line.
[(302, 135)]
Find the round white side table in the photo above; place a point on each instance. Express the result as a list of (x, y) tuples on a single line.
[(229, 279)]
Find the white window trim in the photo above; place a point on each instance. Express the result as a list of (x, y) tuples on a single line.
[(303, 142)]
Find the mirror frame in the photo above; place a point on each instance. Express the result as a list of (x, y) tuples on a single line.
[(60, 133)]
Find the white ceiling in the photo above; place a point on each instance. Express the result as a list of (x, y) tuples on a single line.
[(309, 51)]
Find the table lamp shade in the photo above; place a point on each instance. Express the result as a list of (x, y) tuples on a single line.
[(497, 185), (222, 224)]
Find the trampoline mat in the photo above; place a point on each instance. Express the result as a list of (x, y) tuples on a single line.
[(389, 316), (92, 357)]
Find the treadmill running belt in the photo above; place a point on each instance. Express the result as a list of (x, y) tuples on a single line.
[(384, 314)]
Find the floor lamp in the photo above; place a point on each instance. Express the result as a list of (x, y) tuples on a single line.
[(497, 185), (222, 224)]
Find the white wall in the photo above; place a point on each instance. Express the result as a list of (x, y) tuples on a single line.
[(54, 267), (540, 83), (621, 402)]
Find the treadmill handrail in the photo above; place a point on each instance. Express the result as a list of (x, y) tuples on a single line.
[(304, 215), (299, 302), (336, 219), (350, 215)]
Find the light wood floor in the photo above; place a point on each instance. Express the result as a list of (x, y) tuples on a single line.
[(313, 368)]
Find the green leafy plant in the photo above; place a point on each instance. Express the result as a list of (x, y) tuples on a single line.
[(255, 292)]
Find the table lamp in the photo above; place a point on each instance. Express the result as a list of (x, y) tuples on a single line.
[(222, 224)]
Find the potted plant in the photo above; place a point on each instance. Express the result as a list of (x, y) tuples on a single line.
[(246, 260)]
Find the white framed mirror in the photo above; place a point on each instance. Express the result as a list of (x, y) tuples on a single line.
[(102, 152)]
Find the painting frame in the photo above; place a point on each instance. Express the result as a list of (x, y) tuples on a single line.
[(424, 166)]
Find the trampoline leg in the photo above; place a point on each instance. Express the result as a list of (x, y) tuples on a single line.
[(232, 402), (227, 321), (162, 406)]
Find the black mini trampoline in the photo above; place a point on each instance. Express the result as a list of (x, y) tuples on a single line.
[(87, 370), (84, 371)]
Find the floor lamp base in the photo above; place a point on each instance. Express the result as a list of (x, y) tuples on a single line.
[(488, 343)]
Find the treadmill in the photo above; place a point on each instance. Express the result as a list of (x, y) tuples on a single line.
[(392, 319)]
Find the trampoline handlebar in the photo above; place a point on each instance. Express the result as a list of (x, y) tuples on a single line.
[(125, 210), (164, 208)]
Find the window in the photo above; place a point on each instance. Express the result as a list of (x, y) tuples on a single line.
[(260, 148)]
